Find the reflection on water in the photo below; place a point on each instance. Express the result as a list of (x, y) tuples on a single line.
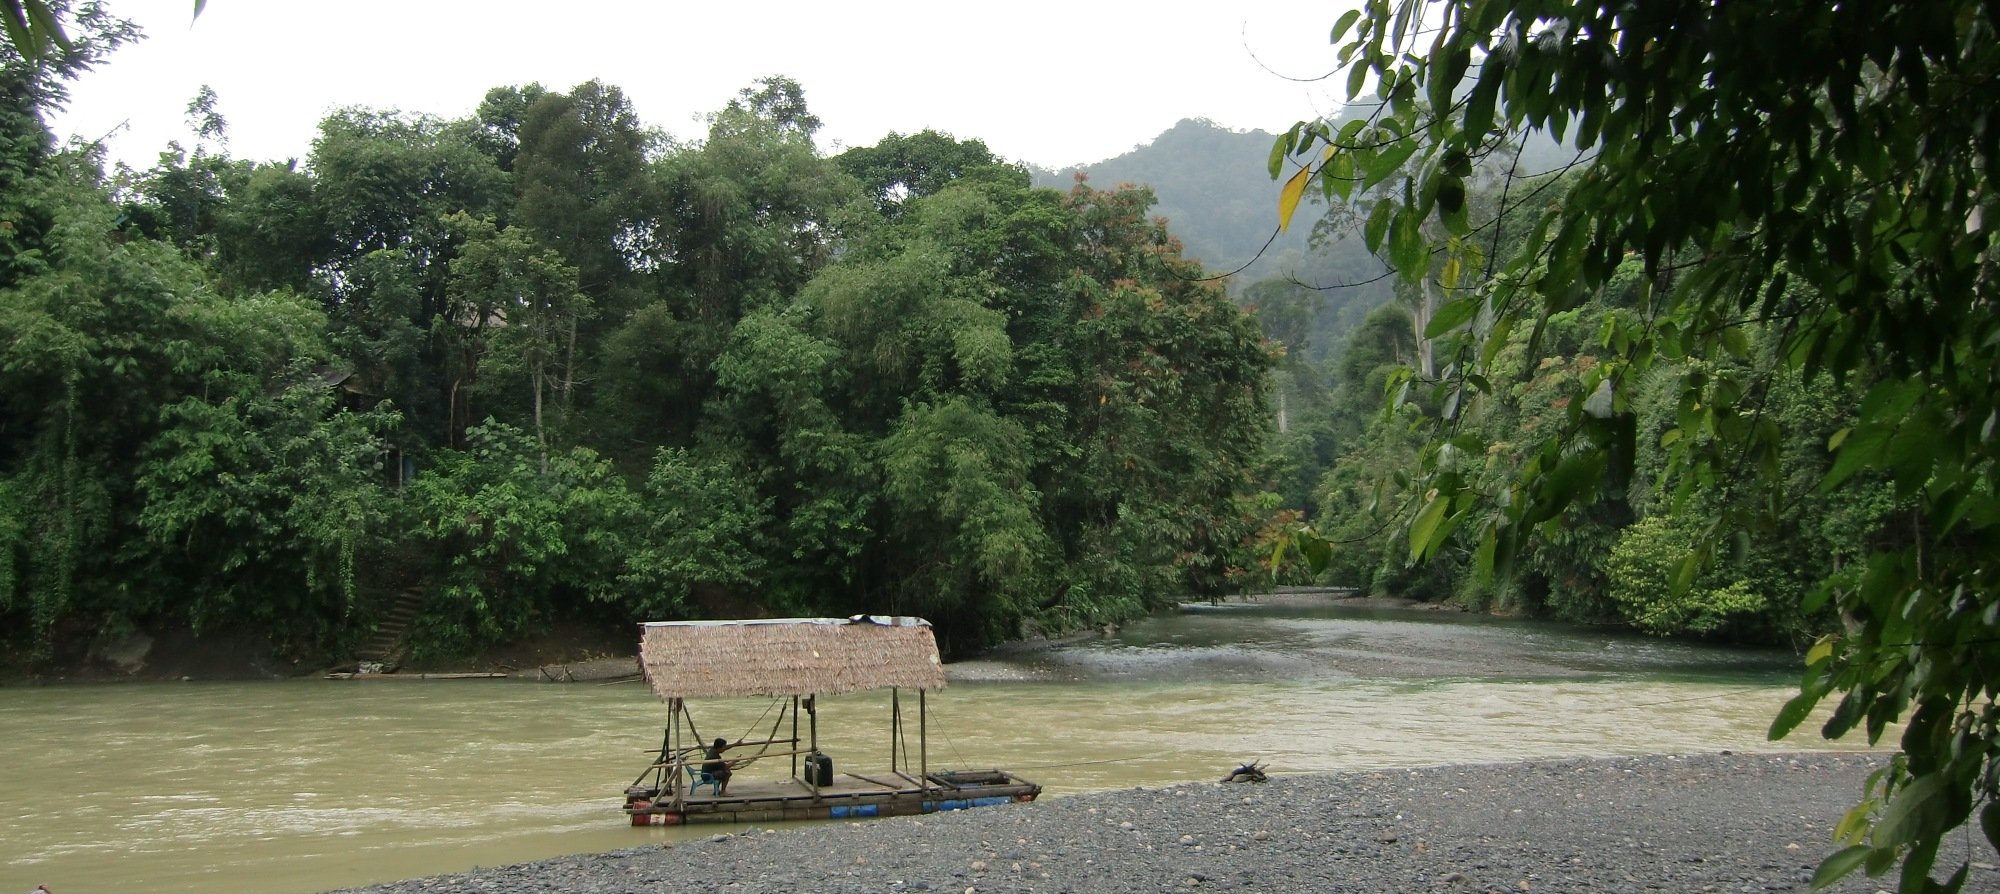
[(303, 786)]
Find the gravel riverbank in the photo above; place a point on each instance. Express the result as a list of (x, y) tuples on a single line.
[(1704, 823)]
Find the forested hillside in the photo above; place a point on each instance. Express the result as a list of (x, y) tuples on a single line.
[(539, 363), (1379, 410), (1217, 198)]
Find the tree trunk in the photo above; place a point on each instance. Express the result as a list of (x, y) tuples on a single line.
[(538, 375)]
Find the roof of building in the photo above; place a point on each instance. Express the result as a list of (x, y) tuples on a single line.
[(789, 656)]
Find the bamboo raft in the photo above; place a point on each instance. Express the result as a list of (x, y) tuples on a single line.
[(351, 675), (850, 796), (796, 661)]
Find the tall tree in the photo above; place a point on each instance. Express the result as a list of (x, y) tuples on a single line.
[(900, 168), (745, 218), (1849, 163), (580, 174), (509, 291), (384, 185)]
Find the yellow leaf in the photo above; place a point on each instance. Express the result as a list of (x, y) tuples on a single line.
[(1288, 198)]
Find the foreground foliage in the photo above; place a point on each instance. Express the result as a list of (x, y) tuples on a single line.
[(1814, 218)]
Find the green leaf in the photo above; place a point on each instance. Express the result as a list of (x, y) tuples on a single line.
[(1483, 557), (1451, 316), (1478, 118), (1815, 598), (1378, 225), (1684, 573), (1345, 22), (1355, 78), (1795, 711), (1853, 825), (1878, 861), (1917, 865), (1425, 526), (1447, 70), (1918, 811), (1317, 551), (1736, 342), (1571, 478), (1407, 249), (1451, 205), (1862, 448), (1840, 865), (18, 32), (42, 18), (1337, 176), (1282, 146), (1387, 160)]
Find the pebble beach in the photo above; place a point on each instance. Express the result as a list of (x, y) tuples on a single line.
[(1733, 823)]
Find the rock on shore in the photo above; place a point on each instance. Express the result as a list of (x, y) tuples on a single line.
[(1706, 823)]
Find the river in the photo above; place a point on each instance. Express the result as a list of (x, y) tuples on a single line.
[(308, 785)]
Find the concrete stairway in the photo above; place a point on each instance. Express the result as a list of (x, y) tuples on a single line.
[(387, 642)]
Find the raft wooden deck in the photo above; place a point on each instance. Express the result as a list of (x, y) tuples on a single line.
[(350, 675), (850, 796)]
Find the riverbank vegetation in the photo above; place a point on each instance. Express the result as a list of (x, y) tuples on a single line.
[(1737, 364), (541, 363)]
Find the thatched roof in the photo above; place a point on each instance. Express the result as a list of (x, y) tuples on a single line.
[(793, 656)]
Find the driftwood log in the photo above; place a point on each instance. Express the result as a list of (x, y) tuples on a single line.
[(1250, 772)]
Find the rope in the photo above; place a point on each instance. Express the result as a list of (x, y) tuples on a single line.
[(948, 742), (1693, 698), (1108, 760), (903, 731), (759, 722), (1027, 767), (772, 736)]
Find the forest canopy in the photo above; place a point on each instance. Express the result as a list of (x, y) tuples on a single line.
[(541, 363)]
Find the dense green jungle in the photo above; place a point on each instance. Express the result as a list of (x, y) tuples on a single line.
[(544, 365), (1602, 312)]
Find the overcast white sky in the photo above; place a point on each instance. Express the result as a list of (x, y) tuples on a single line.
[(1052, 83)]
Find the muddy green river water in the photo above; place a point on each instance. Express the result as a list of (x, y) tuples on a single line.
[(308, 785)]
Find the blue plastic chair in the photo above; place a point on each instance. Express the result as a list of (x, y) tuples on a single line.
[(697, 777)]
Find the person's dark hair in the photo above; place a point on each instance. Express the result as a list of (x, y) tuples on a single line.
[(721, 743)]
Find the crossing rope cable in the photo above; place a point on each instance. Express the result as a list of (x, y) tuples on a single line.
[(1693, 698), (1108, 760), (956, 755)]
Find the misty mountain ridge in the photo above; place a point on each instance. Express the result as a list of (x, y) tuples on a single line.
[(1214, 187)]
